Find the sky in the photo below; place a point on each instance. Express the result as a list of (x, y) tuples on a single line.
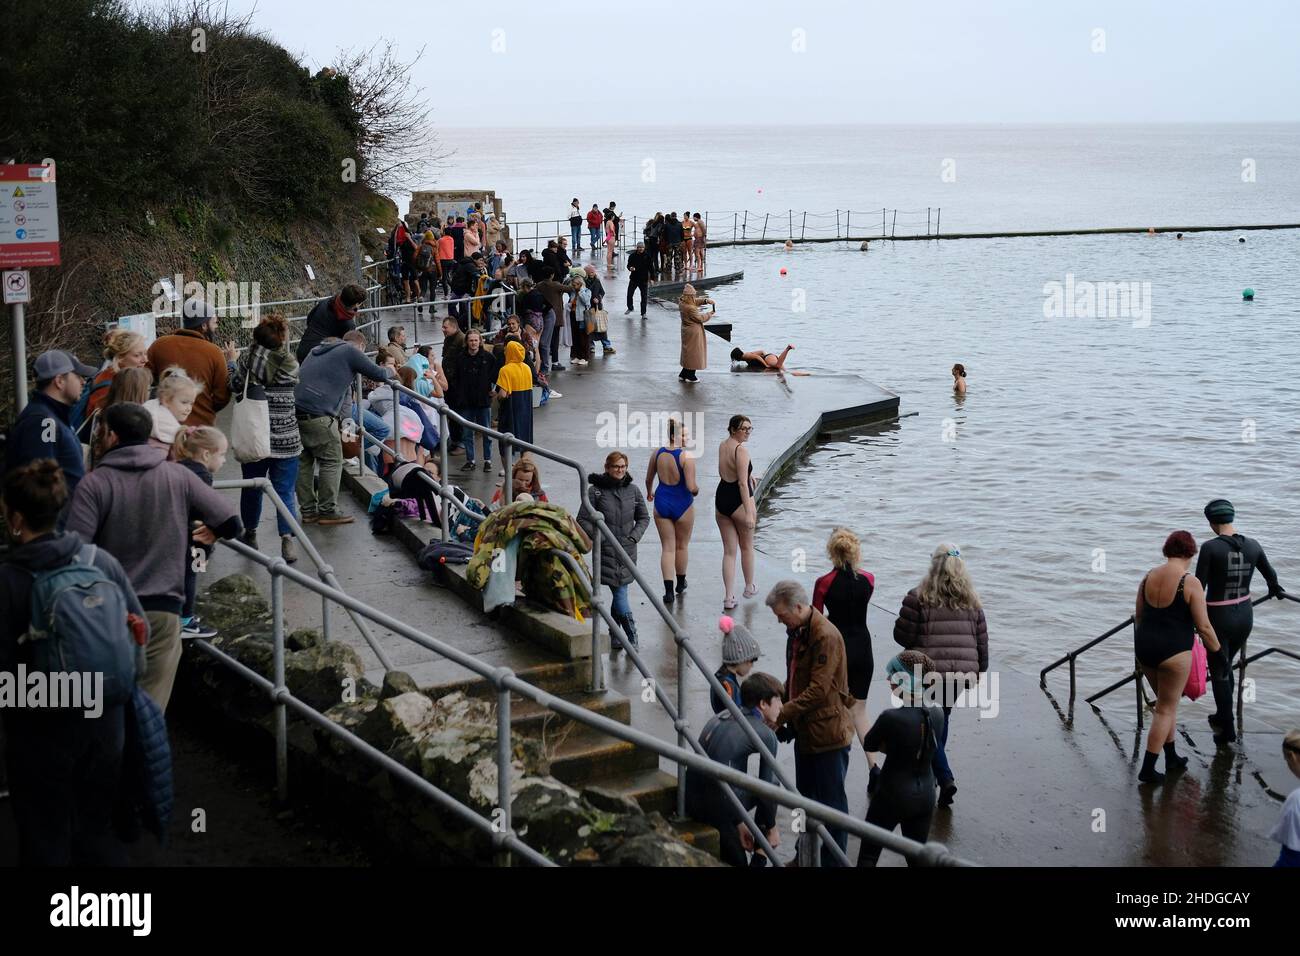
[(711, 62)]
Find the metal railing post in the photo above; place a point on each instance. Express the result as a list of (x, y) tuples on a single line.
[(507, 452), (927, 220), (735, 217), (281, 714), (789, 215), (503, 771), (325, 618), (1137, 683), (358, 416), (803, 228), (1072, 686), (744, 225), (597, 681), (681, 723), (443, 465), (765, 218), (938, 214), (883, 231), (397, 421), (848, 223), (893, 229), (837, 223)]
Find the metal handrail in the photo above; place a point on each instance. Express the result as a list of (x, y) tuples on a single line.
[(604, 537), (1073, 655), (506, 682)]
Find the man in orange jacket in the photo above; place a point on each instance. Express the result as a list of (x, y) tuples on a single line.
[(192, 348)]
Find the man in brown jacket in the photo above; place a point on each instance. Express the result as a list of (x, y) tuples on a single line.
[(817, 702), (192, 349)]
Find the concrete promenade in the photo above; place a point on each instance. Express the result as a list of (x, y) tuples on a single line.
[(1033, 789)]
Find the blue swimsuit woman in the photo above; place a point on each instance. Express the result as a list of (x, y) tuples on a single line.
[(674, 502)]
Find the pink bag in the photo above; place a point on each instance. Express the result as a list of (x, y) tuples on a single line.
[(1196, 678)]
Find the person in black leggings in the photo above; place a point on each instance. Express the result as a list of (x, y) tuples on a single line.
[(1225, 567), (909, 737)]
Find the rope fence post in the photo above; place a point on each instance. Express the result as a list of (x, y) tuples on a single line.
[(803, 229), (765, 218)]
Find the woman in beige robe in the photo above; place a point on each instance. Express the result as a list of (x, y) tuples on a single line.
[(695, 351)]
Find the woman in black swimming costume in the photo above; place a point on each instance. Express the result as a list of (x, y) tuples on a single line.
[(762, 361), (736, 512), (1170, 608)]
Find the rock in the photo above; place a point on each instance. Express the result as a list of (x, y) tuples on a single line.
[(349, 716), (611, 801), (398, 682), (317, 675), (303, 638), (235, 606), (652, 849), (551, 817), (404, 716)]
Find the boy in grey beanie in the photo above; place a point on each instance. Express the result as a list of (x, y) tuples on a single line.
[(739, 652)]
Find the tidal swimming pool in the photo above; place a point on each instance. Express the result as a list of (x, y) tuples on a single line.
[(1087, 435)]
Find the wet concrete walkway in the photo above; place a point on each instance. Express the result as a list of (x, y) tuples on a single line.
[(1034, 788)]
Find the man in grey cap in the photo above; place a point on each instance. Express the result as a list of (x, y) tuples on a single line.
[(42, 430), (739, 654), (192, 348)]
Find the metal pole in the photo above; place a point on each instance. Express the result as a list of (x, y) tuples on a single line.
[(443, 466), (803, 229), (597, 681), (734, 217), (325, 618), (356, 409), (281, 715), (927, 220), (681, 725), (837, 223), (397, 424), (894, 227), (938, 214), (507, 484), (744, 224), (848, 223), (503, 768), (1071, 686), (19, 335), (1137, 683), (765, 218), (882, 221), (789, 214)]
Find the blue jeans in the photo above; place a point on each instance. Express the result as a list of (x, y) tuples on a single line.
[(284, 478), (479, 416), (377, 429), (576, 230), (820, 777), (595, 236), (939, 764), (620, 607)]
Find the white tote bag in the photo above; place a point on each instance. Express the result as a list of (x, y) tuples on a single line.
[(250, 433)]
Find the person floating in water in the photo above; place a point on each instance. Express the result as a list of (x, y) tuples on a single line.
[(959, 379), (762, 361)]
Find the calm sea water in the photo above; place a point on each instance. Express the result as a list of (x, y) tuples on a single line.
[(1006, 177), (1083, 441)]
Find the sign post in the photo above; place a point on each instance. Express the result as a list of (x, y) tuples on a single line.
[(29, 236)]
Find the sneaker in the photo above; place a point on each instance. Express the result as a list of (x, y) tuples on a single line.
[(249, 537), (610, 350), (556, 366), (628, 312), (196, 628), (487, 467), (468, 466), (554, 394), (288, 548), (335, 518)]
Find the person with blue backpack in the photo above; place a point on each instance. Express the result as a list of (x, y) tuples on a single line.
[(65, 763), (42, 429)]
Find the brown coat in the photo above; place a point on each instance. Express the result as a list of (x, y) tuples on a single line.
[(695, 351), (817, 698), (203, 362)]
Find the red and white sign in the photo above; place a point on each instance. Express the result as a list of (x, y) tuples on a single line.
[(18, 287), (29, 216)]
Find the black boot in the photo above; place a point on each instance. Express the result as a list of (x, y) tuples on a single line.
[(1172, 760), (629, 628), (668, 591), (1149, 773), (681, 583)]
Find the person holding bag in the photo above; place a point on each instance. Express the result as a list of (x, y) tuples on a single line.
[(268, 368), (597, 317)]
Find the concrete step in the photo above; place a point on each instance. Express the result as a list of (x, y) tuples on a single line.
[(579, 760), (531, 719), (652, 789), (554, 676), (699, 835)]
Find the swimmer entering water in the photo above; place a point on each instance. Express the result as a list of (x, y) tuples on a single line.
[(762, 361), (789, 245), (959, 379)]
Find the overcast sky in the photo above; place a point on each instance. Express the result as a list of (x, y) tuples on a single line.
[(534, 63)]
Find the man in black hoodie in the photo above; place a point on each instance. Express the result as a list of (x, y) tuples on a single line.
[(330, 318), (64, 765)]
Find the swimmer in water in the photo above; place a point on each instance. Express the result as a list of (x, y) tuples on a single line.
[(789, 245), (1178, 236), (762, 361), (959, 379)]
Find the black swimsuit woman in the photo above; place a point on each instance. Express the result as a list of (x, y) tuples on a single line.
[(736, 511)]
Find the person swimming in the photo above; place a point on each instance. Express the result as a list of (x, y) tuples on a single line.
[(674, 510), (959, 379), (762, 361)]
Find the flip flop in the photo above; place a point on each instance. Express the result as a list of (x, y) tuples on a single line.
[(750, 591)]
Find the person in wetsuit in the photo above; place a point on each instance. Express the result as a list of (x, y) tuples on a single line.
[(909, 738), (842, 594), (725, 741), (674, 505), (1170, 609), (1225, 567)]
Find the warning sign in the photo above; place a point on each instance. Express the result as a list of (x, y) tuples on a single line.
[(29, 216), (18, 288)]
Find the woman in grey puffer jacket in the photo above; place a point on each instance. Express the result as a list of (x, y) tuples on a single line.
[(623, 506), (942, 618)]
